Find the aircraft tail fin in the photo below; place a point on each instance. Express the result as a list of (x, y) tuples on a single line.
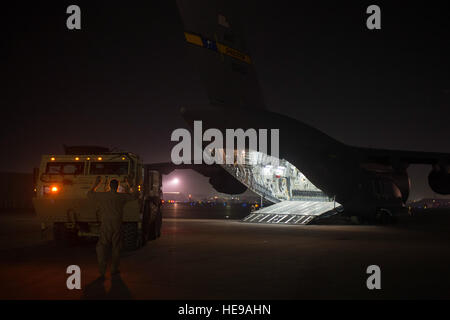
[(214, 37)]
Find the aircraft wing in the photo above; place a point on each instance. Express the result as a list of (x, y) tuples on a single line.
[(167, 167), (384, 156), (215, 42), (219, 178)]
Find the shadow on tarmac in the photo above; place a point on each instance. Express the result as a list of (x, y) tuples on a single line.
[(119, 290), (96, 290)]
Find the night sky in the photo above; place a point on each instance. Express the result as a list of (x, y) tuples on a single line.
[(120, 81)]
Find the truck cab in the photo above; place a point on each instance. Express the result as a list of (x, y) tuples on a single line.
[(61, 187)]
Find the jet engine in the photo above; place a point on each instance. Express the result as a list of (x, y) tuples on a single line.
[(439, 180), (403, 183), (225, 183)]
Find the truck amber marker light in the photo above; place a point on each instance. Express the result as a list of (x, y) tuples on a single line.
[(48, 190)]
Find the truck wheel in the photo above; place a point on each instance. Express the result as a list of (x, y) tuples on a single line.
[(131, 236), (152, 230), (58, 232), (155, 227), (158, 225), (64, 236), (146, 224)]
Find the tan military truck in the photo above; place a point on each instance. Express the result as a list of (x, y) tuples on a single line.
[(61, 187)]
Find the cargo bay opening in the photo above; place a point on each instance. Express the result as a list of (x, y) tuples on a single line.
[(296, 199)]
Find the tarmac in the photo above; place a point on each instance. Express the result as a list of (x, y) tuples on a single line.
[(228, 259)]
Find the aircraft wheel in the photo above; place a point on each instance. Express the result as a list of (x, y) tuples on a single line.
[(384, 217), (131, 236)]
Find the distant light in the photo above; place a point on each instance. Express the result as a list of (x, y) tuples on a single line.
[(123, 158), (54, 189), (175, 181), (52, 158), (88, 158), (100, 158), (76, 158)]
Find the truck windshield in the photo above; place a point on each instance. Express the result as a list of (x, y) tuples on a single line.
[(116, 168), (62, 168)]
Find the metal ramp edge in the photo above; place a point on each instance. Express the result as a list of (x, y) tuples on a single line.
[(292, 212)]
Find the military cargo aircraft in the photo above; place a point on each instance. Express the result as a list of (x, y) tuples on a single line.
[(313, 167)]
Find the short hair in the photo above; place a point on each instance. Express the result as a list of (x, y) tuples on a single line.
[(114, 184)]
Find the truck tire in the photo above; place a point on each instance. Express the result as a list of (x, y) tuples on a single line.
[(152, 230), (153, 227), (146, 223), (131, 236), (58, 233), (158, 224)]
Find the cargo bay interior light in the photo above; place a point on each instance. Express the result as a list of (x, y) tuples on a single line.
[(275, 179), (296, 199)]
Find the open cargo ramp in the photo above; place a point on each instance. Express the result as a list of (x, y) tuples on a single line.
[(293, 212)]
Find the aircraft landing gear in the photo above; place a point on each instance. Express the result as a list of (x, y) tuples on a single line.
[(384, 217)]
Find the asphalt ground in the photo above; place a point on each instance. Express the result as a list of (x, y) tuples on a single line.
[(223, 258)]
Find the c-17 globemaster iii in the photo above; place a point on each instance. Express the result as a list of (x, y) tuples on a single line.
[(315, 172)]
